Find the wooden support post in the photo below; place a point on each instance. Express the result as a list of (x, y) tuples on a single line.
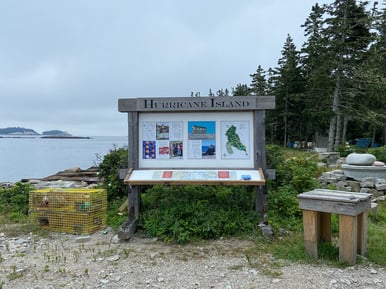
[(325, 227), (261, 205), (362, 233), (348, 226), (311, 224)]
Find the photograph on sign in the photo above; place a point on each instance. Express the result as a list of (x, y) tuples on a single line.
[(202, 139)]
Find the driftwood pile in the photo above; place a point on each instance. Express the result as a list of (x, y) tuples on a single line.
[(73, 177)]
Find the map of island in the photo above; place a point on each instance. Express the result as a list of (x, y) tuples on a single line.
[(235, 140)]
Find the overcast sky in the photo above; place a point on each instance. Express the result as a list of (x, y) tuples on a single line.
[(64, 64)]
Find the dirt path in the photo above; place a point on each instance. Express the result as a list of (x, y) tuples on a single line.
[(99, 261)]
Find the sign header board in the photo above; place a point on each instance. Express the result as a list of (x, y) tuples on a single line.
[(173, 104)]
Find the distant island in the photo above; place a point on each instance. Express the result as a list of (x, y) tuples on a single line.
[(21, 131), (17, 131)]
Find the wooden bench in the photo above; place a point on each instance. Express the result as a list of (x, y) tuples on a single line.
[(352, 208)]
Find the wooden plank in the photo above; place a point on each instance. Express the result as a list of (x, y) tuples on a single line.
[(127, 104), (124, 205), (348, 239), (168, 104), (332, 195), (133, 145), (351, 209), (311, 225)]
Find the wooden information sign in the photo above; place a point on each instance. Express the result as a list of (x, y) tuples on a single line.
[(195, 140)]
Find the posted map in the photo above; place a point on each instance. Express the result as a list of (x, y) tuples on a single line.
[(235, 139)]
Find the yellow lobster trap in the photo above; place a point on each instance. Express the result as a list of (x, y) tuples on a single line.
[(74, 211)]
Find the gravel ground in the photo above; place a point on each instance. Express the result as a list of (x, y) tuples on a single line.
[(100, 261)]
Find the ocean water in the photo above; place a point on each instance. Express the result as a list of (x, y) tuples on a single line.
[(35, 157)]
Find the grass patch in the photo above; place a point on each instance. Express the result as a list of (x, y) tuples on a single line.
[(377, 235)]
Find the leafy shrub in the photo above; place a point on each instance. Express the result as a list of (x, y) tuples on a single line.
[(274, 156), (115, 220), (299, 173), (182, 213), (14, 201), (345, 149), (284, 202), (109, 168), (379, 153)]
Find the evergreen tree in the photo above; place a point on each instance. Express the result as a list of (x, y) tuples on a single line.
[(288, 89), (259, 84), (241, 90), (348, 35), (316, 70)]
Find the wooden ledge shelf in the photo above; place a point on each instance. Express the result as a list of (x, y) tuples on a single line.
[(197, 177)]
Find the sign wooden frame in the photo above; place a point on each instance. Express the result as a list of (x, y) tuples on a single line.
[(136, 107)]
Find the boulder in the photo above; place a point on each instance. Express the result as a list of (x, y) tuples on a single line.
[(360, 159)]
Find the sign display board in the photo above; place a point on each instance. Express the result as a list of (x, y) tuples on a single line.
[(196, 140), (200, 176)]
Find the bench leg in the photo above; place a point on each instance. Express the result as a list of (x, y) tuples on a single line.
[(311, 223), (325, 227), (348, 226), (362, 233)]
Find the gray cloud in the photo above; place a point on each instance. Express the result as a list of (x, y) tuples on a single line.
[(64, 64)]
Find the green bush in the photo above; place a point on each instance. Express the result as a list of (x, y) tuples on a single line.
[(274, 156), (109, 168), (345, 149), (379, 153), (299, 173), (14, 201), (184, 213)]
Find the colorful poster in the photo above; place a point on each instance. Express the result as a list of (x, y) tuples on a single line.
[(162, 130), (162, 140), (202, 139), (148, 149), (176, 149)]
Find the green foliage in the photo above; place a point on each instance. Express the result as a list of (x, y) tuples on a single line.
[(379, 153), (299, 173), (284, 203), (345, 149), (115, 160), (183, 213), (274, 155), (377, 235), (14, 201), (115, 220)]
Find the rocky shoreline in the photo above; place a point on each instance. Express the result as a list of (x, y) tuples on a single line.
[(69, 178)]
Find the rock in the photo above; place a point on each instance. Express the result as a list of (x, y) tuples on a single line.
[(329, 157), (343, 186), (360, 159), (113, 258), (380, 185), (374, 208), (115, 239), (368, 182), (82, 239), (355, 186), (378, 163), (266, 230)]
